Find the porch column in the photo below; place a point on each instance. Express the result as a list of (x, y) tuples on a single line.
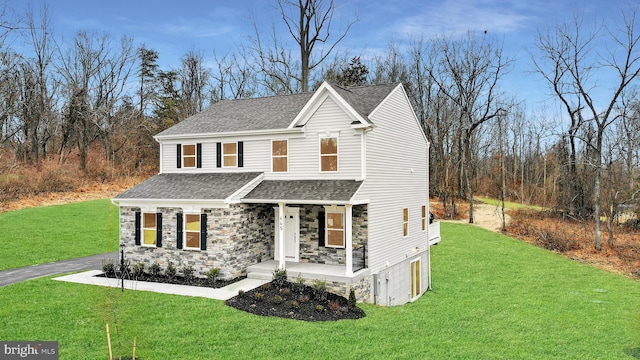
[(348, 238), (281, 264)]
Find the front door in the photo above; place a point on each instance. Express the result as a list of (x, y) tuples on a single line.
[(291, 234)]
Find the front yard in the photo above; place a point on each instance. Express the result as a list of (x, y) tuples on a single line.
[(494, 298)]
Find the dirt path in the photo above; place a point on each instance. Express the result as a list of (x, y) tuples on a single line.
[(487, 216)]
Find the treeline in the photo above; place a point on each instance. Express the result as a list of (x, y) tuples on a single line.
[(60, 101)]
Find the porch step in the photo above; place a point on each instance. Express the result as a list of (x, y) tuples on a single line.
[(259, 275)]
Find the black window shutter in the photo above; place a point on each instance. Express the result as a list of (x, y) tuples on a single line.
[(179, 157), (203, 231), (179, 231), (321, 225), (138, 227), (218, 154), (198, 155), (159, 229), (240, 154)]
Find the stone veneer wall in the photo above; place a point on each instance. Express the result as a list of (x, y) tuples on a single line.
[(361, 288), (309, 249), (237, 237)]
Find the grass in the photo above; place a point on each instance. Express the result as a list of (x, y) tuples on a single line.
[(494, 298), (50, 233), (508, 204)]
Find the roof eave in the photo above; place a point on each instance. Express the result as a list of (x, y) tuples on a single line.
[(230, 134)]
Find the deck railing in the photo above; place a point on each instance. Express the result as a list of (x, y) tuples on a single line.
[(434, 232), (359, 256)]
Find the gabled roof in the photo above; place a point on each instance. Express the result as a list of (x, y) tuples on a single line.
[(271, 113), (206, 186), (303, 191)]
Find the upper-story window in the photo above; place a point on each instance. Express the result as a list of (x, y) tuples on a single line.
[(405, 222), (229, 154), (328, 154), (279, 156), (189, 155)]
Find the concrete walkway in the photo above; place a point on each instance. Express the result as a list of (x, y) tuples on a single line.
[(94, 262), (227, 292)]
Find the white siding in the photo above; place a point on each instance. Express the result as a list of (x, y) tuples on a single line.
[(304, 153), (396, 179), (304, 149)]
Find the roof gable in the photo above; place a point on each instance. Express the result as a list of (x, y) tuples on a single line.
[(280, 112)]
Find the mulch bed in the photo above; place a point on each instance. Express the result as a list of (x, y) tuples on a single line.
[(295, 301), (177, 280)]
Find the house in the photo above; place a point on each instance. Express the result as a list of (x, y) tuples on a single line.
[(331, 185)]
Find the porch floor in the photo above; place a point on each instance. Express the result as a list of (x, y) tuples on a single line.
[(308, 271)]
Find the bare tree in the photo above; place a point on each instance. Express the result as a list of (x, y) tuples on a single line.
[(194, 81), (467, 71), (309, 22), (573, 66)]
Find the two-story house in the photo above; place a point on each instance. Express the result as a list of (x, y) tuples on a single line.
[(331, 185)]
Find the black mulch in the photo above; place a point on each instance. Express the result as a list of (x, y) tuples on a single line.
[(295, 301)]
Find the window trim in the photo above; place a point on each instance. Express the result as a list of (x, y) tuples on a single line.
[(424, 217), (143, 228), (185, 231), (194, 156), (334, 210), (320, 154), (405, 222), (225, 155), (286, 156)]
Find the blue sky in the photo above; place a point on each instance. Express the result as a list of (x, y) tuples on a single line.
[(174, 27)]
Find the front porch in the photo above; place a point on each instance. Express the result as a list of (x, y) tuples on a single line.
[(308, 271)]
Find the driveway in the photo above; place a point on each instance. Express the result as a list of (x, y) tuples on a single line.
[(94, 262)]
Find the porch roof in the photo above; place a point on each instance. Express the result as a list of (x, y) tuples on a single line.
[(199, 186), (304, 191)]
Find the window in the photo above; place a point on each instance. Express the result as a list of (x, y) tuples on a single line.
[(329, 154), (149, 228), (335, 229), (405, 221), (279, 156), (424, 218), (415, 279), (230, 154), (192, 231), (189, 156)]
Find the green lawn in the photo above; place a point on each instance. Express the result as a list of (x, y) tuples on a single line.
[(50, 233), (494, 298)]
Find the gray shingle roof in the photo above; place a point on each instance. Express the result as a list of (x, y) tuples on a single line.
[(275, 112), (304, 190), (216, 186)]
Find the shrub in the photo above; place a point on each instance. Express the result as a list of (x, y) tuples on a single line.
[(304, 299), (155, 270), (212, 275), (277, 299), (295, 304), (138, 270), (124, 270), (279, 277), (299, 283), (241, 293), (352, 297), (334, 305), (266, 286), (285, 291), (187, 273), (320, 288), (109, 268), (259, 296), (171, 271), (319, 308)]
